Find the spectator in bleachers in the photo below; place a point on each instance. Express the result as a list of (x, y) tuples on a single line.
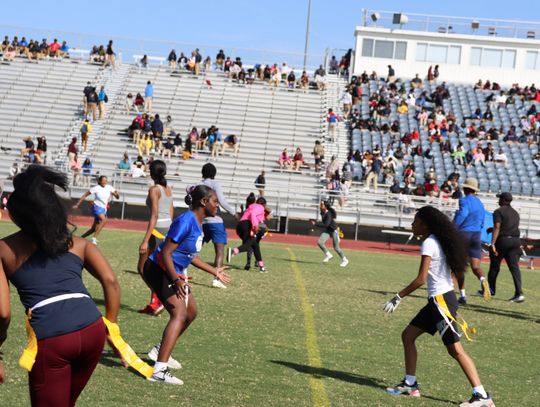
[(44, 48), (139, 103), (332, 120), (320, 78), (138, 171), (373, 174), (202, 139), (197, 59), (168, 148), (346, 103), (9, 54), (479, 157), (304, 81), (102, 99), (14, 170), (87, 168), (260, 183), (54, 49), (41, 150), (91, 103), (64, 50), (85, 130), (220, 59), (187, 153), (172, 60), (207, 64), (33, 51), (230, 142), (291, 80), (416, 82), (110, 56), (28, 145), (318, 155), (298, 159), (148, 97), (125, 163), (76, 169), (215, 140), (157, 127), (146, 145), (72, 150), (143, 64), (333, 65), (5, 44), (501, 158), (284, 160)]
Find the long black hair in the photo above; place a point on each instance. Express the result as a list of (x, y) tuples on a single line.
[(158, 170), (329, 208), (251, 199), (448, 236), (195, 195), (38, 211)]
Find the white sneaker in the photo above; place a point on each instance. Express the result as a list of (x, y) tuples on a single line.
[(172, 363), (164, 376), (344, 262), (328, 257), (94, 241), (216, 283)]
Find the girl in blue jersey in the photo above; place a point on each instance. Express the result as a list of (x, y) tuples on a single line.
[(165, 272)]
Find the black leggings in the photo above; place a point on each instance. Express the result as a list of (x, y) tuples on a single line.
[(249, 243)]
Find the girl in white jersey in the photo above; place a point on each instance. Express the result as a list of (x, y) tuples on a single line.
[(443, 252)]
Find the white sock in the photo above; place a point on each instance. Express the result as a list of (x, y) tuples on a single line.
[(480, 390), (482, 279), (462, 292), (159, 366), (410, 380)]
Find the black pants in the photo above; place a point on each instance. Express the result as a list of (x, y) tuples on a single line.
[(250, 244), (509, 249)]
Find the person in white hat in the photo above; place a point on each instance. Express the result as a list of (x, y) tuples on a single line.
[(469, 219)]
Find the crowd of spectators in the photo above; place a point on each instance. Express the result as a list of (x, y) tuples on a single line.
[(32, 49), (381, 163)]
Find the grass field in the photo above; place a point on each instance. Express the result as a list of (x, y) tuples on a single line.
[(305, 334)]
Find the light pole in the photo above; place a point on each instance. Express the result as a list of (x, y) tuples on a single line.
[(307, 34)]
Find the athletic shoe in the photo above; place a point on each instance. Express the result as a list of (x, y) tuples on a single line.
[(403, 389), (486, 290), (517, 298), (262, 269), (150, 310), (216, 283), (164, 376), (247, 266), (328, 257), (229, 254), (172, 363), (94, 241), (344, 262), (158, 310), (478, 401), (462, 300)]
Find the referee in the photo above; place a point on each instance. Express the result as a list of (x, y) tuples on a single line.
[(505, 244)]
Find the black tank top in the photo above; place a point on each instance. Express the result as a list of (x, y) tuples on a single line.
[(41, 277)]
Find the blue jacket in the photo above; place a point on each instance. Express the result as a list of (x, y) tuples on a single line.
[(149, 91), (101, 96), (470, 215)]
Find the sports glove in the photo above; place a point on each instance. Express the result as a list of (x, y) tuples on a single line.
[(390, 306)]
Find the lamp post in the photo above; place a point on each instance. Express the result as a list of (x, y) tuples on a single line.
[(307, 34)]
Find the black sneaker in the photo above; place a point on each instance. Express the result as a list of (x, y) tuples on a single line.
[(517, 298), (462, 300), (247, 267), (478, 401)]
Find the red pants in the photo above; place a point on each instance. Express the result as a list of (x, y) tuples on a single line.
[(64, 365)]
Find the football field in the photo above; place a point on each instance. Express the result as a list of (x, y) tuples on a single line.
[(305, 334)]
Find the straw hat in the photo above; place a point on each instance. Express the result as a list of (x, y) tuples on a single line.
[(471, 183)]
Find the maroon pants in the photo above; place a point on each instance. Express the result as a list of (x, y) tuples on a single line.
[(64, 365)]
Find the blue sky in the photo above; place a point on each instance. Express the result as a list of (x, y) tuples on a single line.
[(275, 24)]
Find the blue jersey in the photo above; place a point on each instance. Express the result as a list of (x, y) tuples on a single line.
[(185, 231), (470, 215)]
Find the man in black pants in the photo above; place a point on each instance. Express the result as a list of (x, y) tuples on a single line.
[(505, 244)]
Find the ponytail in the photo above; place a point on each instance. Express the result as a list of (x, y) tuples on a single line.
[(158, 170), (38, 211)]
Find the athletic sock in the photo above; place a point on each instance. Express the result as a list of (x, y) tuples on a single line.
[(480, 390), (260, 263), (159, 366), (482, 279), (462, 292), (410, 380)]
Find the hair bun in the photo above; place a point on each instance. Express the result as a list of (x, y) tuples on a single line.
[(189, 199)]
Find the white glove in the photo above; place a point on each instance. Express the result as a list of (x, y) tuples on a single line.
[(390, 306)]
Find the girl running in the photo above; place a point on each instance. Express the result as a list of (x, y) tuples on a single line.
[(160, 204), (328, 215), (165, 272), (44, 261), (443, 253), (102, 195), (250, 229)]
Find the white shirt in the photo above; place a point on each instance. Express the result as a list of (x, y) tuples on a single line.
[(439, 277), (346, 98), (102, 195)]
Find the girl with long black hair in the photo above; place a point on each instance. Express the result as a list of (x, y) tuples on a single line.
[(165, 272), (328, 215), (443, 253), (159, 202), (44, 261)]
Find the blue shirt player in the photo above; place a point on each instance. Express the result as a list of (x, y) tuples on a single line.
[(469, 219), (165, 272)]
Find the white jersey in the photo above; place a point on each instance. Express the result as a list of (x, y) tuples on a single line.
[(102, 195), (439, 277)]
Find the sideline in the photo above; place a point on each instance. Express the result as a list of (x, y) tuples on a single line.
[(318, 391)]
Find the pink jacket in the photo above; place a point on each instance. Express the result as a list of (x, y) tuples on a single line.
[(255, 214)]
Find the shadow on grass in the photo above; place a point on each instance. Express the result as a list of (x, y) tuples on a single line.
[(301, 261), (321, 372), (100, 301), (502, 312), (387, 293), (131, 272), (109, 359)]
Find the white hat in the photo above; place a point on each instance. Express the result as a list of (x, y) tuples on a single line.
[(471, 183)]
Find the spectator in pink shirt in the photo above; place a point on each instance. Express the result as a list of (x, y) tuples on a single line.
[(479, 156), (285, 160)]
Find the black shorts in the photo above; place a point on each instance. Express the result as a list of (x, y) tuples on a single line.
[(430, 319), (158, 280)]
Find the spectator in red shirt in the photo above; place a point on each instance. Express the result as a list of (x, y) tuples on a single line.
[(53, 48)]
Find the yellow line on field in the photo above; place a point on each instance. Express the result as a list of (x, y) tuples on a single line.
[(318, 392)]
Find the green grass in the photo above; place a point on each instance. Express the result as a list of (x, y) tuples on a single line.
[(248, 344)]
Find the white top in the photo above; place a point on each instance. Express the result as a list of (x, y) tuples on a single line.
[(102, 195), (439, 277)]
